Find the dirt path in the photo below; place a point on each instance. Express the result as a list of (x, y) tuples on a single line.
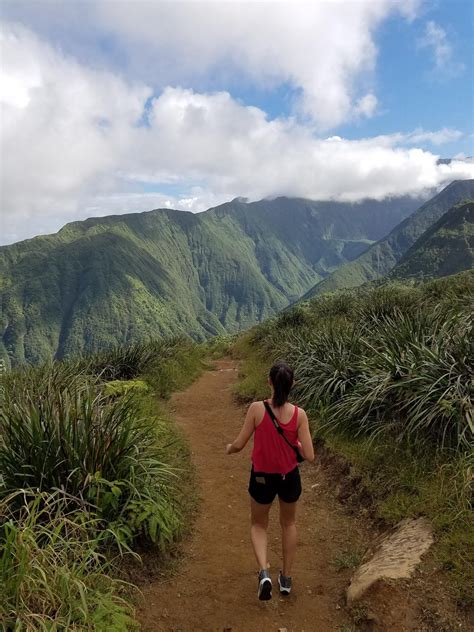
[(215, 587)]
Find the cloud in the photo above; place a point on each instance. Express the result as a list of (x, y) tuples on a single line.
[(85, 142), (366, 106), (420, 137), (320, 50), (436, 39), (62, 126)]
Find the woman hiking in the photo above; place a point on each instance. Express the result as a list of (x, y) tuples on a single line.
[(282, 438)]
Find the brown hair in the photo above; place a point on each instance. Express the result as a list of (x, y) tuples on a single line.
[(281, 377)]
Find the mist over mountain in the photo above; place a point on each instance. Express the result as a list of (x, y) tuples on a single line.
[(378, 260), (122, 278)]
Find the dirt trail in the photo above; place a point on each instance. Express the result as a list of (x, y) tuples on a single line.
[(215, 587)]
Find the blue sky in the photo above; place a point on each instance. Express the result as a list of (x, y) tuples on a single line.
[(112, 107), (412, 92)]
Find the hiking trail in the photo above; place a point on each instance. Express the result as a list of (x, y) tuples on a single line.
[(215, 586)]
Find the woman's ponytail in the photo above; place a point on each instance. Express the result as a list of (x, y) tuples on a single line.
[(281, 377)]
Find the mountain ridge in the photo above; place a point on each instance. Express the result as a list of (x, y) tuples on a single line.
[(446, 248), (381, 257), (116, 279)]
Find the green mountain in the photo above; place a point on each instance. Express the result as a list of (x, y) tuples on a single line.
[(121, 278), (445, 248), (380, 258)]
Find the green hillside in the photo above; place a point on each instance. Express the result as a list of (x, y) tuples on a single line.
[(378, 260), (445, 248), (116, 279)]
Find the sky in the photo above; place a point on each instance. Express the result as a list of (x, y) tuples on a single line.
[(109, 106)]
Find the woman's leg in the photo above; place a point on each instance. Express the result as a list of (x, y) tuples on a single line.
[(288, 535), (258, 531)]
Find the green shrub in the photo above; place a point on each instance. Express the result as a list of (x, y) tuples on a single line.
[(84, 473), (96, 448), (414, 380), (124, 362)]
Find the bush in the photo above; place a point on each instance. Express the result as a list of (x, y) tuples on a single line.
[(125, 362), (99, 449), (414, 380)]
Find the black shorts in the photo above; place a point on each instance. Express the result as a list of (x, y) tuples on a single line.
[(264, 487)]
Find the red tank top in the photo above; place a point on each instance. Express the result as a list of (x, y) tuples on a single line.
[(271, 454)]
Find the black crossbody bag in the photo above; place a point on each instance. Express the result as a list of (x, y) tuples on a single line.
[(279, 429)]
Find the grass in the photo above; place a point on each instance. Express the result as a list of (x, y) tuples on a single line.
[(253, 371), (172, 371), (347, 559), (100, 450), (359, 613), (53, 573)]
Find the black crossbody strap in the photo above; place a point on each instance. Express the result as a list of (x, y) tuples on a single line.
[(278, 428)]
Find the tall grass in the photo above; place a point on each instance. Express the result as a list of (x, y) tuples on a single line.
[(390, 359), (68, 435), (127, 362), (53, 575)]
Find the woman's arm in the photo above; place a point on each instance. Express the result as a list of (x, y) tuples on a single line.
[(245, 433), (304, 437)]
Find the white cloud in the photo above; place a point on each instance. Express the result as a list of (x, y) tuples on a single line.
[(75, 147), (366, 105), (436, 39), (320, 49), (440, 137), (62, 125), (420, 136)]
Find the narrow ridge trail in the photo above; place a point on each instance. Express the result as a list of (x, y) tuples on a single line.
[(216, 584)]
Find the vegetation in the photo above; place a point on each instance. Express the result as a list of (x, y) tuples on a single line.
[(53, 573), (445, 248), (123, 279), (387, 372), (378, 260), (88, 473)]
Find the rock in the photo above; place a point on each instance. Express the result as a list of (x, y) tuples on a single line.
[(397, 556)]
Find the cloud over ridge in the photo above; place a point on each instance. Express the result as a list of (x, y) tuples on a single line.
[(83, 139)]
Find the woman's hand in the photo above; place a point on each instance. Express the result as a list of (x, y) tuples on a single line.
[(229, 448)]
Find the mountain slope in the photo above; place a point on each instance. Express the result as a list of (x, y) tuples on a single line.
[(380, 258), (445, 248), (120, 278)]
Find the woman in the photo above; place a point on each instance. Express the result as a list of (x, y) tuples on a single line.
[(275, 471)]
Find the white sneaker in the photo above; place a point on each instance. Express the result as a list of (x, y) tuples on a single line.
[(264, 586), (284, 583)]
